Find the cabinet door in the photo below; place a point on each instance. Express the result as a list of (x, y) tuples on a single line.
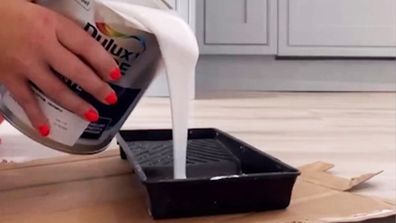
[(185, 9), (237, 26), (171, 3), (337, 28)]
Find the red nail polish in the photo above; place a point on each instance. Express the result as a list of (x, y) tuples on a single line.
[(91, 115), (111, 99), (115, 74), (44, 130)]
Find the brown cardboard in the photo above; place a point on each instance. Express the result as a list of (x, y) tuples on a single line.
[(319, 196), (78, 193), (315, 173)]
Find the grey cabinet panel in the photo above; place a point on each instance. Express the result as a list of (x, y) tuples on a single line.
[(237, 26), (236, 22), (364, 28), (171, 2)]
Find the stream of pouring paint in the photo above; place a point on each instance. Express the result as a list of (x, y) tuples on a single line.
[(180, 53)]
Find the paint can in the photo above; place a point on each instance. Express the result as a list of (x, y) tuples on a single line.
[(139, 58)]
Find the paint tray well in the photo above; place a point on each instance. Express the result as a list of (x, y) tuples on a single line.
[(224, 174)]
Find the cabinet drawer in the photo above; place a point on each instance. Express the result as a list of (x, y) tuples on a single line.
[(237, 26), (236, 22), (338, 27)]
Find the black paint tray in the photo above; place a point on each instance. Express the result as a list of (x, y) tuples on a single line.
[(224, 174)]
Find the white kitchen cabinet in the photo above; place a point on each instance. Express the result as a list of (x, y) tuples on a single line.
[(172, 3), (362, 28), (185, 8), (237, 26)]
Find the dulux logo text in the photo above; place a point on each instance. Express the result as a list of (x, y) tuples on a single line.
[(123, 56)]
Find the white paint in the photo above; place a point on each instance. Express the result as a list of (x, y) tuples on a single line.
[(186, 9), (224, 177), (180, 54)]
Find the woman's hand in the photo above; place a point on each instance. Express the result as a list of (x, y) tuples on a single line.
[(35, 40)]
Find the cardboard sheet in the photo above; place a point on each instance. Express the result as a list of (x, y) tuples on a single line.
[(319, 196)]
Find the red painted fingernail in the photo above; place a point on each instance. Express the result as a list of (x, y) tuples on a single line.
[(91, 115), (111, 99), (115, 74), (44, 130)]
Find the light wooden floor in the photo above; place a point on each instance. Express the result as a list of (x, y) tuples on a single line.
[(355, 131)]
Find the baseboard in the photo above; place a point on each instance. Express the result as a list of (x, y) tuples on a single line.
[(159, 87), (265, 73)]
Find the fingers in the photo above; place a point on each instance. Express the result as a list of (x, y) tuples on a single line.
[(82, 44), (54, 88), (70, 66), (22, 93)]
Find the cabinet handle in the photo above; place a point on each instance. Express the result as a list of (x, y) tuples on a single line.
[(245, 4)]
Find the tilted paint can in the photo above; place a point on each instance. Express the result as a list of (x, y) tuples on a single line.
[(138, 55)]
